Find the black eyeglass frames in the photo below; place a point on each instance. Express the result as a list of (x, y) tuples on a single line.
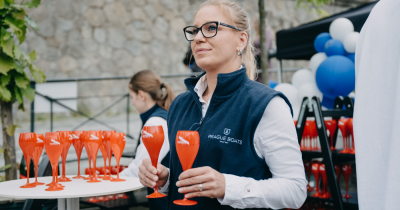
[(209, 29)]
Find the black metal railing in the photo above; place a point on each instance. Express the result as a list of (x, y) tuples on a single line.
[(93, 118)]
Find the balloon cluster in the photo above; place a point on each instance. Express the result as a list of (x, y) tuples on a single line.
[(332, 70), (333, 65)]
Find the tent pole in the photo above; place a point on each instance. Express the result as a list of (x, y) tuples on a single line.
[(279, 71)]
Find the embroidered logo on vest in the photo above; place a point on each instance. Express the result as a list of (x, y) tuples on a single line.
[(227, 131), (225, 139)]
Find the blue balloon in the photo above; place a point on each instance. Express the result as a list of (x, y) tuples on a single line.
[(272, 84), (336, 76), (328, 102), (351, 56), (320, 41), (334, 47)]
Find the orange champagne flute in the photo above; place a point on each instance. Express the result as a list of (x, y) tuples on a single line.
[(346, 169), (117, 144), (107, 147), (331, 127), (37, 152), (54, 146), (94, 140), (343, 128), (67, 136), (315, 170), (187, 145), (87, 148), (322, 173), (27, 142), (153, 139), (78, 145), (350, 130), (56, 181), (104, 154)]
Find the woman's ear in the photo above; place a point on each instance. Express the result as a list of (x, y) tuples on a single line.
[(141, 95), (242, 40)]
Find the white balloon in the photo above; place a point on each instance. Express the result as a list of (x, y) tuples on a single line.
[(309, 90), (316, 60), (301, 77), (350, 42), (290, 92), (340, 27)]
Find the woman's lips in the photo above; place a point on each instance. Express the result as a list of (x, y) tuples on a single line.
[(202, 50)]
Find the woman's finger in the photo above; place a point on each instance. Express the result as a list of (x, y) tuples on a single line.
[(194, 172), (147, 173), (194, 180), (207, 193), (145, 180), (196, 188)]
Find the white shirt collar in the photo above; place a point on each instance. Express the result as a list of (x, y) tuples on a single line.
[(201, 87)]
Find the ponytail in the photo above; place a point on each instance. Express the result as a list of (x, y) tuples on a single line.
[(150, 82), (167, 99)]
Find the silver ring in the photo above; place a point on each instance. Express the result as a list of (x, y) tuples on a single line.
[(201, 187)]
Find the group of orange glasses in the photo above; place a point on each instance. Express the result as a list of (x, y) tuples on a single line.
[(58, 143), (309, 140), (317, 168)]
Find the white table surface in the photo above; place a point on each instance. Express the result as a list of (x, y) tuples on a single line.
[(74, 189)]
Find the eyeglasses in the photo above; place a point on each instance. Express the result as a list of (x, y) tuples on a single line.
[(208, 30)]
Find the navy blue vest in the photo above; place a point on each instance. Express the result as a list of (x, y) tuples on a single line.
[(156, 111), (226, 131)]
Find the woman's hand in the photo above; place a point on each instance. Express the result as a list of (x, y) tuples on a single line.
[(213, 183), (149, 175)]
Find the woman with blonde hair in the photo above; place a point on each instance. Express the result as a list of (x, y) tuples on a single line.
[(146, 91), (249, 156)]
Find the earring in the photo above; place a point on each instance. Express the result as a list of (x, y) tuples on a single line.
[(239, 53)]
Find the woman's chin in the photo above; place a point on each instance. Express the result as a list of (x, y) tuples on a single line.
[(204, 64)]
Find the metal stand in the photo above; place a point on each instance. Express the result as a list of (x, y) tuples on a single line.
[(312, 108)]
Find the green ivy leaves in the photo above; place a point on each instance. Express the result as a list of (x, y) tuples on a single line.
[(14, 81)]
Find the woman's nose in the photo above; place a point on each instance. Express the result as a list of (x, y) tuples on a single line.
[(199, 37)]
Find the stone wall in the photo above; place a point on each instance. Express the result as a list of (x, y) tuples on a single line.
[(102, 38)]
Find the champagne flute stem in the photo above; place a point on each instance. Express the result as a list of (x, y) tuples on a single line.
[(54, 173), (104, 167), (36, 173), (109, 166), (347, 188), (63, 166), (94, 168), (27, 166), (117, 170), (79, 165)]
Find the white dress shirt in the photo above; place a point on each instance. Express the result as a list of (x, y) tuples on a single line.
[(141, 151), (376, 108), (275, 141)]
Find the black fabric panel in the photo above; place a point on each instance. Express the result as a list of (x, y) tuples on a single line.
[(298, 43)]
